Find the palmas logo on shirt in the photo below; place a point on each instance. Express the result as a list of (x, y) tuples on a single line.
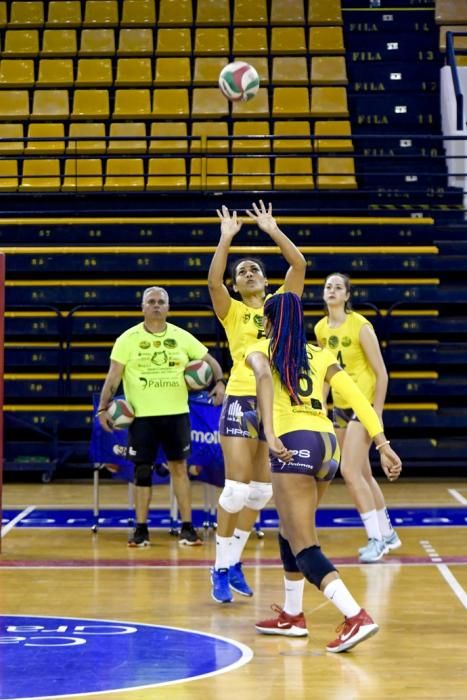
[(333, 341), (246, 317), (144, 345), (170, 343), (346, 341), (258, 321)]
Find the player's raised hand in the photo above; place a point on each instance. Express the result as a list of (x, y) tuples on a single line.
[(230, 224), (263, 217)]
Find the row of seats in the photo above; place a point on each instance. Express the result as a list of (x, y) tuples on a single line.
[(168, 71), (172, 137), (169, 12), (170, 173), (257, 41), (169, 103)]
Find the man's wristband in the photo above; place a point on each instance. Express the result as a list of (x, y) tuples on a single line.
[(100, 410), (221, 379)]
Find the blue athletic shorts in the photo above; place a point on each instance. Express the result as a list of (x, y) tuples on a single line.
[(239, 418), (341, 417), (315, 454)]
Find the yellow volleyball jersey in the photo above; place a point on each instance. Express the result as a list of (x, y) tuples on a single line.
[(311, 414), (243, 326), (344, 343)]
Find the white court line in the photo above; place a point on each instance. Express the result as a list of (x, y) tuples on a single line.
[(458, 496), (453, 583), (9, 526)]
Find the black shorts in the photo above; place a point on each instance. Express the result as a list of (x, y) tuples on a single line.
[(341, 417), (147, 434), (314, 453)]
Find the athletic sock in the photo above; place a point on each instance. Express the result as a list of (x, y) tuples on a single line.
[(337, 592), (237, 545), (222, 552), (384, 521), (293, 596), (371, 523)]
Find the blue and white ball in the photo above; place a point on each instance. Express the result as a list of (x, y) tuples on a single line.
[(239, 81)]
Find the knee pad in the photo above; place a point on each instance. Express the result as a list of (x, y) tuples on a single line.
[(143, 474), (259, 494), (314, 565), (233, 496), (287, 556)]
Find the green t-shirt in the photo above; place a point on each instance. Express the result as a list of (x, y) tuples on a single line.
[(153, 379)]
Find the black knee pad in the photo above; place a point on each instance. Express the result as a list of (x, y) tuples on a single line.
[(314, 565), (287, 556), (143, 474)]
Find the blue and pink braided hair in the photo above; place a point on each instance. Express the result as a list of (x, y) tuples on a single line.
[(287, 351)]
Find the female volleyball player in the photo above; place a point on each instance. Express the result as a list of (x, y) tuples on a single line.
[(290, 376), (352, 340), (247, 476)]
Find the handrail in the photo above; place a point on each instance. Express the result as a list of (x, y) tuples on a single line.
[(451, 59)]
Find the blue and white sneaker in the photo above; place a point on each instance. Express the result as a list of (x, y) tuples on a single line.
[(220, 590), (392, 541), (374, 551), (237, 580)]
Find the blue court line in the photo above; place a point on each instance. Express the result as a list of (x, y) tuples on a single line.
[(326, 517)]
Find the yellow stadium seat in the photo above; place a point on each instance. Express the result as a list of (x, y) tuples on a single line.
[(213, 12), (336, 173), (64, 13), (177, 13), (135, 42), (208, 103), (211, 41), (173, 42), (46, 131), (251, 41), (291, 102), (168, 102), (82, 175), (328, 70), (11, 131), (289, 70), (124, 174), (287, 12), (97, 42), (59, 42), (460, 42), (101, 13), (329, 102), (325, 12), (249, 14), (14, 105), (242, 130), (177, 143), (40, 175), (251, 174), (293, 173), (94, 72), (326, 130), (134, 72), (83, 133), (166, 174), (209, 174), (207, 68), (288, 40), (3, 15), (260, 64), (50, 104), (21, 43), (132, 104), (138, 13), (134, 133), (209, 137), (55, 72), (172, 71), (16, 72), (26, 14), (90, 104), (287, 129), (254, 109), (8, 175), (326, 40)]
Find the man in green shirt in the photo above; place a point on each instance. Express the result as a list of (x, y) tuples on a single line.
[(150, 359)]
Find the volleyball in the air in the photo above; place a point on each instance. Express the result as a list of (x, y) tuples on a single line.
[(239, 81), (121, 414), (198, 375)]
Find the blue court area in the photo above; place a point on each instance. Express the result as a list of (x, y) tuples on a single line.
[(326, 517), (64, 656)]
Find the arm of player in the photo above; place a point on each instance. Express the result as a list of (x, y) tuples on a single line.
[(295, 277), (218, 390), (370, 345), (390, 460), (265, 392), (110, 388), (219, 293)]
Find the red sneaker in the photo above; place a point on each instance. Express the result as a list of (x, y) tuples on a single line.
[(285, 624), (353, 631)]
